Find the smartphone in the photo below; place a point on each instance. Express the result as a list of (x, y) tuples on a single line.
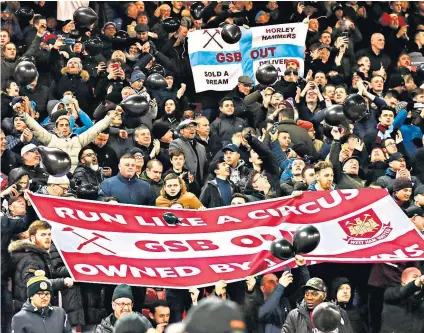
[(69, 41), (274, 128), (345, 34), (287, 269), (116, 66), (418, 105)]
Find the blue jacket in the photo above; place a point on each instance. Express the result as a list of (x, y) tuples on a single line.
[(409, 133), (128, 191)]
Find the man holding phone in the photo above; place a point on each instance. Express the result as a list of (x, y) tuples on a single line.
[(270, 315)]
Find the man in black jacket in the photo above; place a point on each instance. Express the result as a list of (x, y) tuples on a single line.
[(10, 226), (218, 192), (31, 158), (403, 309), (31, 256), (9, 159), (299, 320), (87, 175), (267, 307), (106, 155)]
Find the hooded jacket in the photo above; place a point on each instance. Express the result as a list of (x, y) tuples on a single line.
[(80, 84), (107, 324), (299, 321), (27, 258), (186, 199), (71, 144), (51, 319)]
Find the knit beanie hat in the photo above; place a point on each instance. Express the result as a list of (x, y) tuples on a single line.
[(160, 129), (131, 323), (38, 283), (307, 125), (401, 183), (122, 290), (137, 75)]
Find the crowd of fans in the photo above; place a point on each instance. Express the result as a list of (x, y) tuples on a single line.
[(210, 149)]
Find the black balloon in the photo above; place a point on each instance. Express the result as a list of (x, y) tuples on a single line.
[(282, 249), (326, 317), (354, 107), (121, 36), (135, 106), (155, 81), (171, 218), (231, 33), (171, 24), (333, 115), (85, 16), (196, 10), (306, 239), (24, 13), (266, 74), (25, 72), (157, 68), (93, 46), (56, 162)]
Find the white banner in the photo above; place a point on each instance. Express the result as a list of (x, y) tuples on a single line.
[(217, 65)]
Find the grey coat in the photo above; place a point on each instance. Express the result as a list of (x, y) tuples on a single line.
[(193, 161)]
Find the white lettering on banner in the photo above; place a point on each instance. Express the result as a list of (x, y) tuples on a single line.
[(68, 212), (136, 272), (408, 252), (231, 267)]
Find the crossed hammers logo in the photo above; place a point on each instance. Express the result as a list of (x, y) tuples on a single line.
[(212, 38), (89, 240)]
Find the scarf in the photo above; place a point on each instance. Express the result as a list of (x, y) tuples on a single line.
[(384, 132)]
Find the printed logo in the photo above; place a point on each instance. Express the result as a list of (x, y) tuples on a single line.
[(365, 228), (43, 285)]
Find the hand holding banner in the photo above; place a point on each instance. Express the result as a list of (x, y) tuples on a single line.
[(106, 243)]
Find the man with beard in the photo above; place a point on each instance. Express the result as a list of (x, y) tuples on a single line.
[(403, 309), (122, 305), (87, 175), (345, 172), (31, 256), (324, 177), (106, 156), (299, 320), (159, 315), (37, 313)]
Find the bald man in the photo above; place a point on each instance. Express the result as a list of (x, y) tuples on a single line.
[(379, 59), (403, 309)]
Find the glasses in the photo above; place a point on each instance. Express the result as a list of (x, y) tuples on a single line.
[(124, 305), (190, 127), (44, 294), (63, 187), (89, 155), (391, 144)]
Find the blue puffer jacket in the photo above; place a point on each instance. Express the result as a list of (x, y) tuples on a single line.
[(128, 191), (409, 134)]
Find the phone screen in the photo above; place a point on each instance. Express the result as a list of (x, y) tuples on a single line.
[(115, 66)]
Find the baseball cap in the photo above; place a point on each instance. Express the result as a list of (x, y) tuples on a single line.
[(245, 80), (316, 284), (28, 148), (185, 123), (141, 28), (395, 157), (212, 315), (231, 147)]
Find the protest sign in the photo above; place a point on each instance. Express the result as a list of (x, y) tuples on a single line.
[(107, 243), (217, 65)]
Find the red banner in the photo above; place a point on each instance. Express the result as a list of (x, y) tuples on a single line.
[(107, 243)]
